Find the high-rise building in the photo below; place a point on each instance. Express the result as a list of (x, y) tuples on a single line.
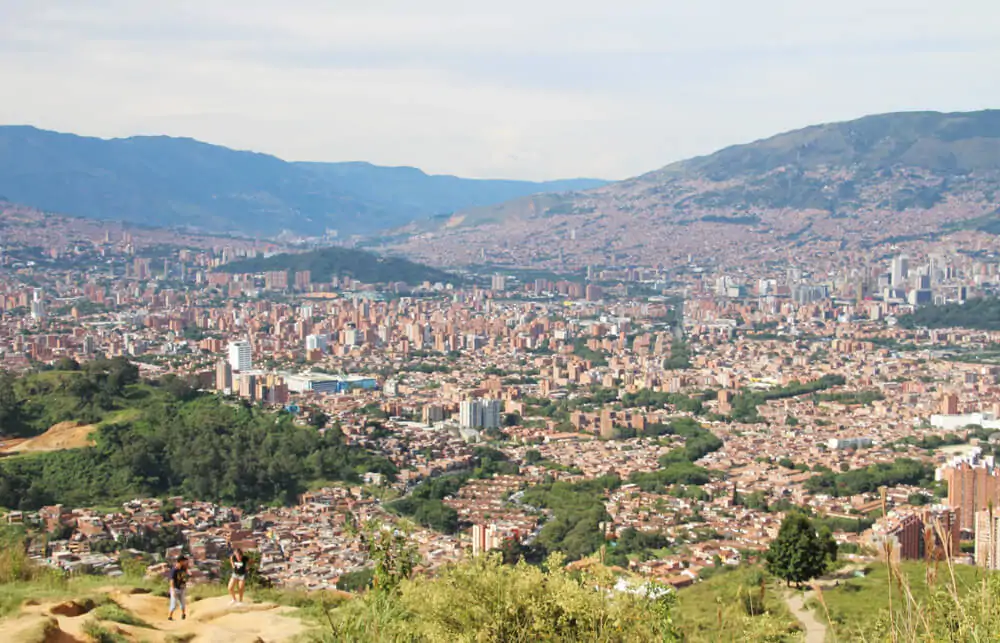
[(223, 376), (316, 342), (949, 404), (899, 270), (972, 488), (987, 530), (499, 282), (240, 356), (479, 413), (485, 538), (931, 533), (38, 312)]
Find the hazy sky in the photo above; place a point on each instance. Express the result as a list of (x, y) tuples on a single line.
[(521, 89)]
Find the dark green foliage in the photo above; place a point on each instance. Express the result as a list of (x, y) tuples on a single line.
[(798, 554), (424, 504), (868, 480), (326, 263), (680, 357), (647, 398), (199, 448), (745, 404), (978, 314), (153, 541), (355, 581), (865, 397), (577, 510), (677, 466), (29, 405), (632, 542), (596, 358)]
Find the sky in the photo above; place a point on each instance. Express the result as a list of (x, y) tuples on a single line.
[(538, 89)]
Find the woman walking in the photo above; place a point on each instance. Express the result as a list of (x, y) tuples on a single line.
[(238, 581)]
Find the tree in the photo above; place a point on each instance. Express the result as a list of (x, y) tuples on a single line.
[(827, 543), (11, 412), (532, 456), (318, 419), (356, 581), (798, 554)]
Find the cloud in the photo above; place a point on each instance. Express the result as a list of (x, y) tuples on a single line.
[(539, 89)]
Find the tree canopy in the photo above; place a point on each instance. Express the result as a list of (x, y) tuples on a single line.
[(798, 554)]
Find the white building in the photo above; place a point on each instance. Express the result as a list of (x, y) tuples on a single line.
[(848, 443), (316, 342), (955, 422), (479, 413), (37, 305), (240, 356)]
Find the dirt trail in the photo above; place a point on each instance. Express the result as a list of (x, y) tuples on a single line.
[(814, 629), (65, 435), (211, 620)]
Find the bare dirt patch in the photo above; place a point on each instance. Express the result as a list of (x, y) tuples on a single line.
[(65, 435)]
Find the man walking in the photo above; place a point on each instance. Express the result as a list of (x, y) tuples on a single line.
[(178, 585)]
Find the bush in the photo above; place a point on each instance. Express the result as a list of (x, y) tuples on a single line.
[(483, 600)]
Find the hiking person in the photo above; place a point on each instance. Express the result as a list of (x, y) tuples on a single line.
[(238, 581), (178, 586)]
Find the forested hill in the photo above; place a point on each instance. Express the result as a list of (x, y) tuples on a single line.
[(161, 438), (978, 314), (326, 263)]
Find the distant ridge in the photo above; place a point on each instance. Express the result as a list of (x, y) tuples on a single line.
[(846, 185), (325, 263), (181, 182)]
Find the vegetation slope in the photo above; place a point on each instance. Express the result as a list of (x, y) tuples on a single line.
[(326, 263)]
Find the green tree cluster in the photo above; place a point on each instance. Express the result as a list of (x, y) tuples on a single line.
[(424, 504), (744, 405), (903, 471), (202, 447), (979, 314), (577, 511)]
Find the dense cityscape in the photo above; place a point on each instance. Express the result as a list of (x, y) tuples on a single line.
[(812, 388), (452, 322)]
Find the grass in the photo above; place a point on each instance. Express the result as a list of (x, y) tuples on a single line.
[(856, 603), (735, 602), (120, 416), (100, 634), (114, 612)]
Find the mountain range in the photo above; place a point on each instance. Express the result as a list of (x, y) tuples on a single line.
[(830, 188), (181, 182)]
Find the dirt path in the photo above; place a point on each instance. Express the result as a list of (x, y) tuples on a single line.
[(211, 620), (814, 629)]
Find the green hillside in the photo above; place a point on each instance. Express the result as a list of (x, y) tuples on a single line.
[(978, 314), (172, 440), (326, 263)]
